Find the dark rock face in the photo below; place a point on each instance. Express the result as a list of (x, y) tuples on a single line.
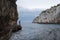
[(8, 18), (51, 15)]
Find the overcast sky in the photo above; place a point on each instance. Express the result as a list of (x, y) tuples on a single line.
[(41, 4)]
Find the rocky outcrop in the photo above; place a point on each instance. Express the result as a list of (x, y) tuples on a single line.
[(51, 15), (8, 18)]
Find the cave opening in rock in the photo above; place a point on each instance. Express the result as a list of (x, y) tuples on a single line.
[(27, 11)]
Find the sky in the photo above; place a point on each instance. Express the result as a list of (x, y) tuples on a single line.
[(39, 4)]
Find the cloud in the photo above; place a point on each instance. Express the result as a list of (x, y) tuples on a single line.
[(42, 4)]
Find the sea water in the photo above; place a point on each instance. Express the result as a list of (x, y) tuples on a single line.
[(33, 31)]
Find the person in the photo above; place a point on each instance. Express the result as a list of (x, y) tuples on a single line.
[(19, 22)]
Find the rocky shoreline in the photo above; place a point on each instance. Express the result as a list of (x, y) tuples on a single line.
[(49, 16)]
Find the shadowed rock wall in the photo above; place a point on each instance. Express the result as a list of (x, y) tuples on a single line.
[(8, 18)]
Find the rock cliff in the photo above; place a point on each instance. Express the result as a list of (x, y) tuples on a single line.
[(8, 18), (51, 15)]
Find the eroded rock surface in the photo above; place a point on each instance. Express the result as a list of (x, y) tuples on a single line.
[(51, 15), (8, 18)]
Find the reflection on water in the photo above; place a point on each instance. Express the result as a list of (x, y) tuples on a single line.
[(31, 31)]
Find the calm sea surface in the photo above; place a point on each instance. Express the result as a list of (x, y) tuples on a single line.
[(31, 31)]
